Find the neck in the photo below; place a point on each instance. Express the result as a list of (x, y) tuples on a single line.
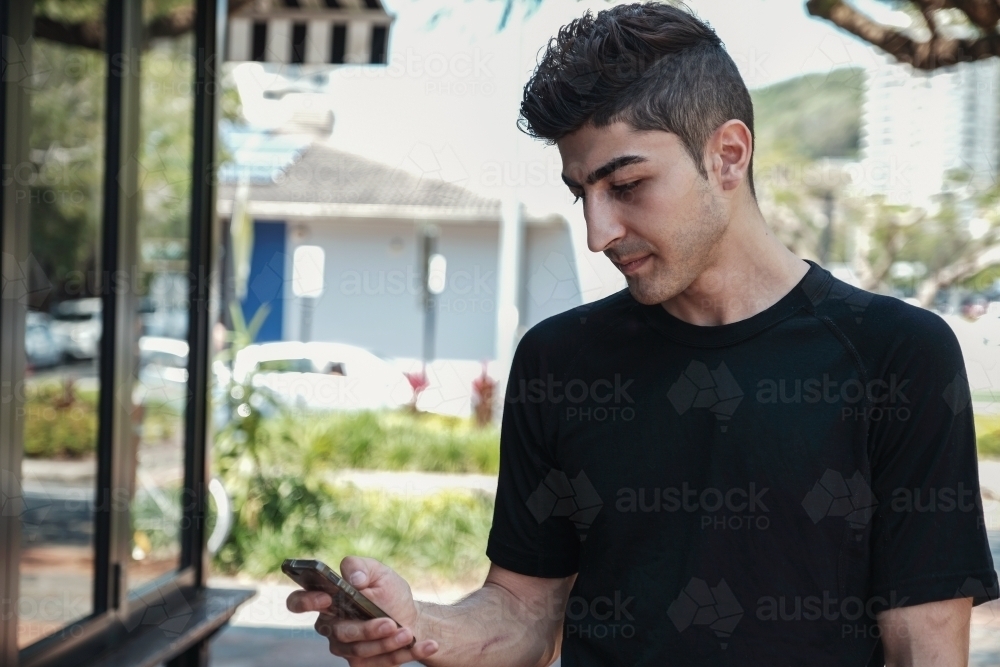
[(748, 271)]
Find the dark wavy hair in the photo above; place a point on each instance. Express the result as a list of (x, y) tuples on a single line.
[(653, 66)]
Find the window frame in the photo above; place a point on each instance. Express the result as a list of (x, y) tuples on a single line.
[(117, 612)]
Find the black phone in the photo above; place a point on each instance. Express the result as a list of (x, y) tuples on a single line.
[(348, 602)]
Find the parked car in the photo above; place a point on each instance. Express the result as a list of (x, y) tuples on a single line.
[(163, 374), (77, 327), (322, 376), (974, 306), (41, 348)]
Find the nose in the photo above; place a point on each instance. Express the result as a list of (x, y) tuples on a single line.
[(604, 228)]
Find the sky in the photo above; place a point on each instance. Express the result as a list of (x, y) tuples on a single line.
[(447, 103)]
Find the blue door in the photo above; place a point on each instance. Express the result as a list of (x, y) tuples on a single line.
[(266, 282)]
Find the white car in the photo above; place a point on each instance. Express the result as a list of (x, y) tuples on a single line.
[(163, 373), (322, 376), (41, 348), (77, 327)]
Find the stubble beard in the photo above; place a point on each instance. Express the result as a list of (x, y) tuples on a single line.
[(692, 253)]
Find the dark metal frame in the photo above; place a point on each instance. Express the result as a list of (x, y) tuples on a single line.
[(118, 612), (15, 22)]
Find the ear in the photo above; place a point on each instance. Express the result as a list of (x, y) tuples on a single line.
[(728, 153)]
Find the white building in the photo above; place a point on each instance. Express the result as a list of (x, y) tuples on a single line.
[(919, 126), (369, 220)]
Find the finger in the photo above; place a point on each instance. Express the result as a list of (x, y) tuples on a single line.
[(359, 631), (422, 650), (367, 649), (303, 601), (399, 639), (360, 572)]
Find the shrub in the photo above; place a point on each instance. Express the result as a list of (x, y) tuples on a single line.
[(386, 441), (988, 436), (60, 421)]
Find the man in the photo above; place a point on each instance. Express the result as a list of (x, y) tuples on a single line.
[(739, 460)]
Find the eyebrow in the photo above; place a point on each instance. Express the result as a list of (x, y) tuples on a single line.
[(605, 170)]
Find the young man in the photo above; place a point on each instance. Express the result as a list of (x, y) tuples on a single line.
[(739, 460)]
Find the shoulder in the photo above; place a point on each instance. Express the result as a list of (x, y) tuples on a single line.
[(884, 329), (564, 334)]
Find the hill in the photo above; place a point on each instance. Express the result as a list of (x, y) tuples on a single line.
[(811, 116)]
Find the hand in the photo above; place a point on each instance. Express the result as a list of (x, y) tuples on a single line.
[(377, 642)]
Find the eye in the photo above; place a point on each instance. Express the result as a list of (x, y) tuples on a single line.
[(576, 197), (624, 188)]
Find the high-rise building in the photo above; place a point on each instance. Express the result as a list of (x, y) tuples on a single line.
[(920, 128)]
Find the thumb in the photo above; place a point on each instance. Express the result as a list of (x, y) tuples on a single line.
[(360, 572)]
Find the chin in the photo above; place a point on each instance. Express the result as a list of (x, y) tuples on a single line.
[(647, 294)]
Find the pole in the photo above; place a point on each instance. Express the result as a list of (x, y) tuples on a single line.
[(826, 239), (428, 247)]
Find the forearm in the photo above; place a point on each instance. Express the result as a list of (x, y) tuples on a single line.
[(935, 634), (491, 628)]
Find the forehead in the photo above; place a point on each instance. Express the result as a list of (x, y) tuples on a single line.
[(590, 147)]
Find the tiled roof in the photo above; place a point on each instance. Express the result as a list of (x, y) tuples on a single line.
[(321, 174)]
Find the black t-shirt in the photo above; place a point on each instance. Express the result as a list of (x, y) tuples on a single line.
[(746, 494)]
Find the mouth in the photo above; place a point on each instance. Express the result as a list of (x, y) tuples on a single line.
[(634, 265)]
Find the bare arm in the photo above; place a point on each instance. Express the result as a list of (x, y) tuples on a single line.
[(933, 634), (512, 621)]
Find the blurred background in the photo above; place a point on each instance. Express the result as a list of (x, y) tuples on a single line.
[(384, 235)]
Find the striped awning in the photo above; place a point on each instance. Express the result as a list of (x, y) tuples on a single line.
[(310, 32)]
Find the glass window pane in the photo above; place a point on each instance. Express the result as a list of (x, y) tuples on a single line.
[(64, 172), (160, 399)]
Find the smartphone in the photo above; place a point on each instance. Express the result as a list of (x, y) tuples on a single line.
[(348, 602)]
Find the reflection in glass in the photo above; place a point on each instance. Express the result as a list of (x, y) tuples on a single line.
[(63, 179), (160, 396)]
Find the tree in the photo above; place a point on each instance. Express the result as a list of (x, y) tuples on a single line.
[(82, 24), (945, 32)]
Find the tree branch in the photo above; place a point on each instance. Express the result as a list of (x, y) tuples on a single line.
[(927, 9), (90, 34), (984, 14), (922, 55)]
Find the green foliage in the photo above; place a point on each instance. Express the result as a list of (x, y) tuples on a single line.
[(57, 426), (278, 472), (287, 516), (988, 436), (390, 441), (811, 116), (67, 149)]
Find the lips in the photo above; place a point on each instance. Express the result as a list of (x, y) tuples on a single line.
[(633, 265)]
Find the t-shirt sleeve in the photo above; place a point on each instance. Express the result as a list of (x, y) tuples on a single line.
[(525, 537), (929, 538)]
